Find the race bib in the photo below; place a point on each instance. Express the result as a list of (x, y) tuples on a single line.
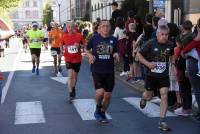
[(53, 52), (160, 67), (72, 49), (34, 40)]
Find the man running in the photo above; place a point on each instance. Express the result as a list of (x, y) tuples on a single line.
[(71, 48), (155, 56), (35, 38), (101, 51), (55, 36)]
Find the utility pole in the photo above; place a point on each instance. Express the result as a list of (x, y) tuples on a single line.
[(59, 13)]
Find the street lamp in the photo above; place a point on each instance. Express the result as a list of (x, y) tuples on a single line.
[(59, 4)]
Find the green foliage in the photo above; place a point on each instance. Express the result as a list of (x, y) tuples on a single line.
[(47, 15), (8, 3), (140, 7)]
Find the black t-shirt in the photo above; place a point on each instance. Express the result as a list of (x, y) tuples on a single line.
[(159, 54), (103, 50)]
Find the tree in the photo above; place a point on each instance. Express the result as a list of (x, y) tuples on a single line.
[(47, 15), (8, 3), (140, 7)]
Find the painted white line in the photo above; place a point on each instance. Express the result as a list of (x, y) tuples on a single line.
[(29, 113), (10, 76), (151, 109), (86, 108), (62, 80)]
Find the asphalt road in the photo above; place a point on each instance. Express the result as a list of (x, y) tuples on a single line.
[(37, 104)]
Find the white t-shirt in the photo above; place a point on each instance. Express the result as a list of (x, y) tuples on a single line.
[(119, 33)]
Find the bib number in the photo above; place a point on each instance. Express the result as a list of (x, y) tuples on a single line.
[(160, 67), (72, 49), (53, 53)]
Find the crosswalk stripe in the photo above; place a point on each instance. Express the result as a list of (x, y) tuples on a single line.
[(86, 108), (151, 109), (29, 113), (62, 80)]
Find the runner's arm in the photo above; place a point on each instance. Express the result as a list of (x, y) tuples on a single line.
[(144, 61)]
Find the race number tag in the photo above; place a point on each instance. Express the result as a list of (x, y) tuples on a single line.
[(160, 67), (72, 49), (53, 52)]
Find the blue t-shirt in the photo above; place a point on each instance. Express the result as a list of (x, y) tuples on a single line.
[(103, 50)]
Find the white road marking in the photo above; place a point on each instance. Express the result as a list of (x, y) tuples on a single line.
[(62, 80), (151, 109), (29, 113), (86, 108), (10, 76)]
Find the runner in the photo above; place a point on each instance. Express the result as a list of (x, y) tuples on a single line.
[(55, 36), (71, 48), (155, 56), (101, 51), (45, 40), (35, 37)]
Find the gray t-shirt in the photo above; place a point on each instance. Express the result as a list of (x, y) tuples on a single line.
[(159, 54)]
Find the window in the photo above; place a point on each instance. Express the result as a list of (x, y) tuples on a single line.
[(35, 14), (28, 14), (16, 15), (35, 4), (27, 4)]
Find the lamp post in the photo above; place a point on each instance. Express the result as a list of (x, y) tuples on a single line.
[(59, 13)]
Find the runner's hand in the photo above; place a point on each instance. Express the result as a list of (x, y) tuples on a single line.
[(116, 56), (151, 65), (91, 58)]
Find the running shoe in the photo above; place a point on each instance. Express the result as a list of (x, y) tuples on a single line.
[(97, 115), (182, 112), (33, 69), (198, 74), (104, 118), (59, 74), (37, 71), (163, 126), (143, 103)]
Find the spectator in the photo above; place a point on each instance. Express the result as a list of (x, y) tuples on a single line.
[(129, 20), (115, 14)]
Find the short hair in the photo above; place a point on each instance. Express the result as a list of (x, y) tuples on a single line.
[(162, 21), (131, 14), (114, 4), (162, 27), (120, 22), (155, 20), (148, 18), (187, 25)]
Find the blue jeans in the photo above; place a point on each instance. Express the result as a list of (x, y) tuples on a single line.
[(193, 53), (194, 79)]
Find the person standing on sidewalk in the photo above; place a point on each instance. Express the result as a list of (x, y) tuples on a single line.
[(155, 56), (55, 36), (71, 49), (35, 38), (101, 51)]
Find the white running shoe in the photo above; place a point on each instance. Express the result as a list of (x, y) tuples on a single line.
[(122, 73), (59, 74)]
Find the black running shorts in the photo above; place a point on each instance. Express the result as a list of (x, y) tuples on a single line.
[(74, 66), (56, 49), (105, 81), (35, 51), (156, 83)]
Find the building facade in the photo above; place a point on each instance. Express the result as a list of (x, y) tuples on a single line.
[(102, 9), (26, 12)]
